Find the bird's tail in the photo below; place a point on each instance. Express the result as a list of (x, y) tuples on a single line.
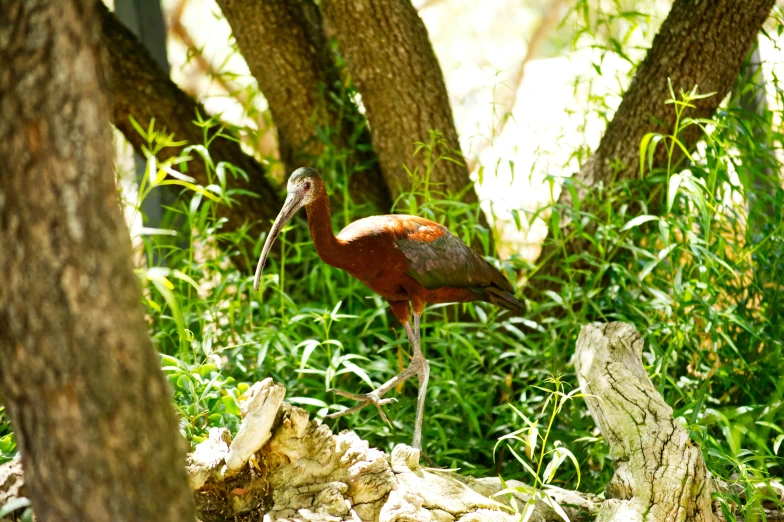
[(504, 299)]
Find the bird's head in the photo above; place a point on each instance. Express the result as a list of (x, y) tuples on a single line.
[(304, 187), (304, 184)]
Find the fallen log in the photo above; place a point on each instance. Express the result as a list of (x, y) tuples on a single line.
[(283, 466)]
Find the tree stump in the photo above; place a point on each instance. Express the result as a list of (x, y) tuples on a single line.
[(659, 474)]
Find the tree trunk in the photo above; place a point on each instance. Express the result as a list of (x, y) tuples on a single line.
[(285, 47), (142, 90), (700, 44), (389, 56), (78, 374)]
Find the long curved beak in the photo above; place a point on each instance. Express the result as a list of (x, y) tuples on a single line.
[(290, 207)]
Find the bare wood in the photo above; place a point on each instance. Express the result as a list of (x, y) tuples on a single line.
[(659, 474), (301, 471), (392, 62), (700, 44), (140, 88), (288, 53), (78, 374)]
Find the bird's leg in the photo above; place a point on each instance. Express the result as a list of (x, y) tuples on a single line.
[(423, 373), (375, 397)]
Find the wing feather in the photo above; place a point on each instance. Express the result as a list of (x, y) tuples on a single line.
[(437, 258)]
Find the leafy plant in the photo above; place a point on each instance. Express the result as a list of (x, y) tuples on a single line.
[(529, 436)]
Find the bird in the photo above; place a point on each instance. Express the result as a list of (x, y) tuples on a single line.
[(408, 260)]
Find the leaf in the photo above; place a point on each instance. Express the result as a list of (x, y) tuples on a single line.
[(777, 443), (552, 466), (639, 220), (310, 401), (521, 415), (152, 168), (165, 287), (194, 188), (652, 149), (528, 510), (571, 457), (179, 175), (310, 345), (185, 277), (231, 404), (531, 440), (528, 468), (556, 507), (359, 372), (206, 343), (216, 360), (643, 147), (195, 202), (147, 231), (672, 190), (137, 127)]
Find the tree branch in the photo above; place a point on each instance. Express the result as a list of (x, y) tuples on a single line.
[(659, 474), (142, 90)]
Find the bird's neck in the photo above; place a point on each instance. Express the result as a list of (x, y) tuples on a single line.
[(328, 247)]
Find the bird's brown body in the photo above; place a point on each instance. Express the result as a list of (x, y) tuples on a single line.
[(406, 260)]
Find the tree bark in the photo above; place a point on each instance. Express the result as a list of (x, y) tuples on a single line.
[(142, 90), (392, 62), (78, 374), (285, 47), (700, 44)]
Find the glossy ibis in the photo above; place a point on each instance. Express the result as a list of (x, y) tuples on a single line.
[(405, 259)]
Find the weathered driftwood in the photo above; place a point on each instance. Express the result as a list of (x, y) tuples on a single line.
[(300, 470), (659, 474), (284, 466)]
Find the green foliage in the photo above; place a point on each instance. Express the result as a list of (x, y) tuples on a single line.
[(687, 256), (529, 437), (7, 439)]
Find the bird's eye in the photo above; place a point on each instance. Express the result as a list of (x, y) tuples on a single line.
[(307, 186)]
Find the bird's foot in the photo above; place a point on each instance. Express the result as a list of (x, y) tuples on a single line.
[(364, 399)]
